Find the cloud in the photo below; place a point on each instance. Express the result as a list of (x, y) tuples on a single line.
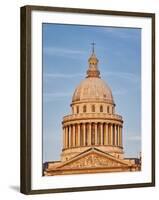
[(121, 32), (61, 75), (57, 51), (120, 92), (57, 94), (48, 97), (123, 75), (134, 138)]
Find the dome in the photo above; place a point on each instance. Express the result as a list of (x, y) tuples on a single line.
[(93, 89)]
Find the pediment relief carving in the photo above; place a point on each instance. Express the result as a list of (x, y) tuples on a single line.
[(93, 160)]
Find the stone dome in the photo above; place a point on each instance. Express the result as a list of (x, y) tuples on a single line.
[(93, 89)]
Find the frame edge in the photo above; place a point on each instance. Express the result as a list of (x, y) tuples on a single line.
[(25, 97)]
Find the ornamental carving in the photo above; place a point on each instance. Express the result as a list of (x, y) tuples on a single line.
[(93, 160)]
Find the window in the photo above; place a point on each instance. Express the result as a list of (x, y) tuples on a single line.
[(101, 108), (93, 108), (84, 108), (77, 109)]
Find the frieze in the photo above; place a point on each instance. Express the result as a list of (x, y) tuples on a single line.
[(93, 160)]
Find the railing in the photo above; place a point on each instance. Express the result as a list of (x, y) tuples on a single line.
[(92, 115)]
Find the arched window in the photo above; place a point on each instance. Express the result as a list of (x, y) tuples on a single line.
[(84, 108), (93, 108), (77, 109), (101, 108), (107, 109)]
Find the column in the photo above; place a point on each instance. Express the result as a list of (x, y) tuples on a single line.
[(106, 134), (64, 142), (78, 129), (69, 127), (101, 133), (118, 135), (95, 134), (115, 135), (73, 135), (111, 134), (84, 134), (89, 135), (66, 137), (121, 142)]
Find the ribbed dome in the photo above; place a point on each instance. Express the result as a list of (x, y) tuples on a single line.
[(93, 89)]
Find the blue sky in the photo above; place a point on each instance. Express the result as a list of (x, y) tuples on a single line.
[(66, 49)]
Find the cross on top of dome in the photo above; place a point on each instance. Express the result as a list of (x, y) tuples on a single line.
[(93, 64), (93, 44)]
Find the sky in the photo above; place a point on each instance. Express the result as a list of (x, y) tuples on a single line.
[(66, 49)]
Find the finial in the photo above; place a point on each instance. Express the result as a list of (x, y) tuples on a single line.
[(93, 65), (93, 44)]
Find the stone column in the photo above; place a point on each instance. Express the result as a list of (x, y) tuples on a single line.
[(101, 133), (121, 142), (66, 137), (111, 134), (115, 135), (118, 135), (89, 135), (84, 134), (73, 135), (95, 134), (64, 142), (78, 129), (70, 133), (106, 134)]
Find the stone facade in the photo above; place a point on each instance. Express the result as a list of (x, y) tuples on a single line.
[(92, 133)]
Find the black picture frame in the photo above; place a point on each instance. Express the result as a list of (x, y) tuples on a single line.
[(26, 121)]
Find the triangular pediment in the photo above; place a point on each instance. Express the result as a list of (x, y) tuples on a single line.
[(93, 158)]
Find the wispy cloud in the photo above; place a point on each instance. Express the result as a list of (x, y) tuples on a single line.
[(57, 51), (120, 92), (120, 32), (134, 138), (62, 75), (123, 75), (57, 94), (48, 97)]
